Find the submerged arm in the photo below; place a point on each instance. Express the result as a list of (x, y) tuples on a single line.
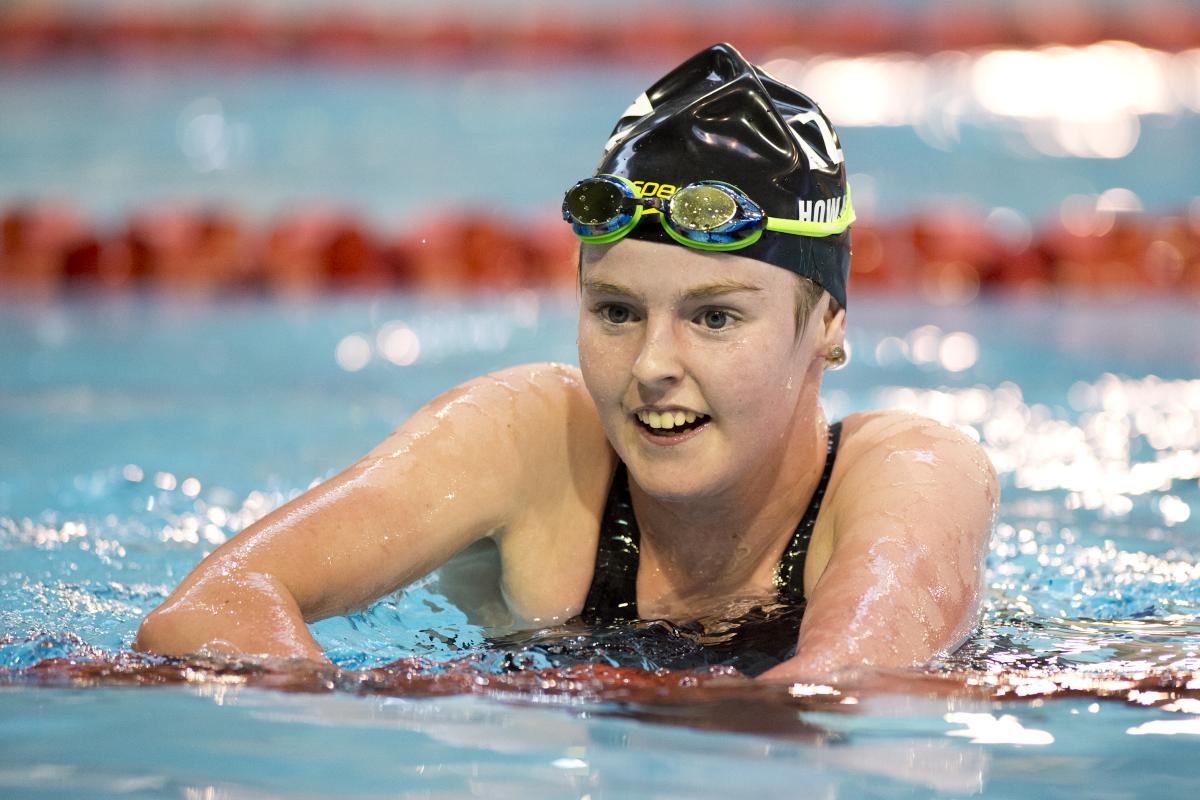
[(452, 474), (905, 577)]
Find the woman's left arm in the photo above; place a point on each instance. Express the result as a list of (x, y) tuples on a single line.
[(913, 516)]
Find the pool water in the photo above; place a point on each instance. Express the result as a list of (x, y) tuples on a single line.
[(391, 145), (137, 433)]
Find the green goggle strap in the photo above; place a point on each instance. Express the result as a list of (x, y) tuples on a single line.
[(818, 229)]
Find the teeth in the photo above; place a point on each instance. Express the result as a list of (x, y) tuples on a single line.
[(667, 420)]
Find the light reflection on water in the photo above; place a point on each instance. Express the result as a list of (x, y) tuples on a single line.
[(1093, 564)]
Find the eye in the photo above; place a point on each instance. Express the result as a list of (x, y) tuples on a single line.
[(716, 319), (614, 314)]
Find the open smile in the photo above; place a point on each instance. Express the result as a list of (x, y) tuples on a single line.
[(670, 426)]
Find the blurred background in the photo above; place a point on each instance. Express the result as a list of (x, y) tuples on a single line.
[(293, 147)]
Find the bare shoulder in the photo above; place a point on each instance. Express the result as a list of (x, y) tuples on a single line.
[(550, 408), (522, 395), (558, 426), (881, 443), (910, 466), (565, 449), (534, 423), (882, 427)]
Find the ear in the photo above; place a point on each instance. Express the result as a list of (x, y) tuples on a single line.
[(833, 321)]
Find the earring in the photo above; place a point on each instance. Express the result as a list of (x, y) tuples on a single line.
[(836, 358)]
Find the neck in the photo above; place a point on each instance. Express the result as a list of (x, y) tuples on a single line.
[(729, 543)]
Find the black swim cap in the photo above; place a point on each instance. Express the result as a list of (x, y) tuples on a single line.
[(719, 117)]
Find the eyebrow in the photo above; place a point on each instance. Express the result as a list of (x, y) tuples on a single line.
[(695, 293)]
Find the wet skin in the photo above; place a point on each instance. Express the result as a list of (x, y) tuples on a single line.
[(665, 328), (523, 457)]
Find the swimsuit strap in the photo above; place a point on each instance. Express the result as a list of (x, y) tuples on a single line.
[(613, 593), (789, 575)]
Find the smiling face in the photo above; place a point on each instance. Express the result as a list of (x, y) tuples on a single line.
[(694, 363)]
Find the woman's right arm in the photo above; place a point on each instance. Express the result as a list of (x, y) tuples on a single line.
[(462, 468)]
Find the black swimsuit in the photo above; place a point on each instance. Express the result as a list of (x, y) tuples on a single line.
[(760, 639)]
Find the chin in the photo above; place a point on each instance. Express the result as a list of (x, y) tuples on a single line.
[(673, 480), (663, 489)]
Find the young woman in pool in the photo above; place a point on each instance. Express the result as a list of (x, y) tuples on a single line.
[(686, 468)]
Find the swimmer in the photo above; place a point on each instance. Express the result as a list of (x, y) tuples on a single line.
[(687, 462)]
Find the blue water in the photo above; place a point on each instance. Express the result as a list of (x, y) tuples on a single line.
[(393, 144), (136, 433)]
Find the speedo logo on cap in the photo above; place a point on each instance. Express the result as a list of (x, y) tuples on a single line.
[(655, 189), (820, 210)]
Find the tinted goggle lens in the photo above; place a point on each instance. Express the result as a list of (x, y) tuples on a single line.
[(594, 202), (701, 208), (602, 209)]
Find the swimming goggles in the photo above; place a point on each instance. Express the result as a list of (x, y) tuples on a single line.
[(708, 215)]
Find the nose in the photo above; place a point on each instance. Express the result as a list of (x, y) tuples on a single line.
[(659, 363)]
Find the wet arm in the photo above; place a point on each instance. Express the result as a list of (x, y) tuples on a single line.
[(905, 579), (449, 476)]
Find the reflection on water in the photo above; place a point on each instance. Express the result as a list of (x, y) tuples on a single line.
[(909, 727), (1092, 566), (1091, 612)]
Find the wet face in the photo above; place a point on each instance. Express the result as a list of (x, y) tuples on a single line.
[(694, 363)]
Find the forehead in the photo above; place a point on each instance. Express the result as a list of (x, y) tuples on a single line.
[(642, 265)]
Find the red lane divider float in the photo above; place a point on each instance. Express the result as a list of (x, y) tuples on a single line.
[(45, 249), (946, 255), (36, 30)]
